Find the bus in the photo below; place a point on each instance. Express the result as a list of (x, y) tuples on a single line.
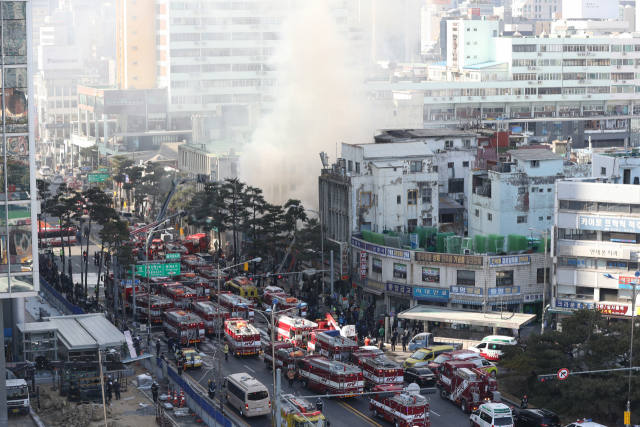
[(52, 236), (243, 287)]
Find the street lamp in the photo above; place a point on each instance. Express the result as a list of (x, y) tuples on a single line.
[(273, 347), (321, 241), (544, 285), (220, 323), (634, 295), (149, 234)]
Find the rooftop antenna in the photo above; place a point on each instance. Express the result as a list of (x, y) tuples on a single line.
[(325, 159)]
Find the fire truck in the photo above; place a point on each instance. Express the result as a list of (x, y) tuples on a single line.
[(200, 284), (191, 262), (466, 385), (238, 306), (180, 295), (333, 347), (159, 305), (185, 327), (243, 338), (212, 314), (404, 408), (293, 329), (297, 411), (122, 290), (243, 287), (330, 376), (283, 300), (286, 354), (358, 356), (381, 371), (211, 274)]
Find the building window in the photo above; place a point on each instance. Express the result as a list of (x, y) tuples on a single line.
[(466, 278), (376, 266), (357, 167), (465, 164), (135, 16), (135, 63), (549, 190), (416, 166), (425, 194), (489, 217), (603, 171), (399, 271), (548, 217), (522, 219), (350, 166), (411, 225), (534, 189), (435, 169), (504, 278), (521, 190), (399, 200), (477, 213), (412, 197), (427, 222), (456, 185), (535, 163), (365, 199), (448, 144), (430, 274), (540, 275)]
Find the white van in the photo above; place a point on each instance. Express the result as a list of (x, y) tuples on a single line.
[(247, 394), (45, 171), (491, 347), (492, 414)]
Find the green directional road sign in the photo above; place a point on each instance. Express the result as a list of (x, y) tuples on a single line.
[(159, 270), (172, 256), (98, 177), (103, 169)]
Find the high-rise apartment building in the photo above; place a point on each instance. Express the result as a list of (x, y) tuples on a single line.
[(136, 44), (211, 53)]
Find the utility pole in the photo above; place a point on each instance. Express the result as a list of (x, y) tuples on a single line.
[(278, 391), (331, 267)]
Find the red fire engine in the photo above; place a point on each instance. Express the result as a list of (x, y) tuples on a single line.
[(358, 356), (122, 290), (466, 385), (404, 408), (200, 284), (242, 337), (330, 376), (293, 329), (191, 262), (182, 326), (333, 347), (286, 354), (211, 274), (381, 371), (237, 305), (284, 301), (212, 314), (159, 305), (180, 295)]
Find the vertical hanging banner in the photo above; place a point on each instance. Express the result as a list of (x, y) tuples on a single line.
[(363, 265)]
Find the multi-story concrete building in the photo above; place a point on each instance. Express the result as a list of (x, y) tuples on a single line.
[(536, 10), (136, 44), (217, 159), (552, 86), (596, 234), (590, 9)]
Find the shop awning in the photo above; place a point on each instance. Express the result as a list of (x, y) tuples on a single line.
[(373, 291), (510, 302), (467, 302), (447, 315)]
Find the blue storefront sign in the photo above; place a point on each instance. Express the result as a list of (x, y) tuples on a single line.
[(623, 225), (465, 290), (380, 250), (575, 305), (399, 289), (430, 294), (504, 291), (507, 261)]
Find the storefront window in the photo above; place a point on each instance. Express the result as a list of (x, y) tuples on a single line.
[(376, 267), (430, 274), (504, 278), (400, 271), (466, 278)]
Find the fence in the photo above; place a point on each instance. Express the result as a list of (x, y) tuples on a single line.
[(58, 301), (201, 405)]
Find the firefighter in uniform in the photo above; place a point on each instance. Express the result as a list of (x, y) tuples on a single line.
[(524, 403), (179, 366), (225, 350), (291, 375), (154, 391), (319, 404)]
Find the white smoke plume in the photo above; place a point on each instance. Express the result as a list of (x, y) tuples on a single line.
[(318, 103)]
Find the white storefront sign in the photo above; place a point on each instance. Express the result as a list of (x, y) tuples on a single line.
[(594, 252), (60, 57)]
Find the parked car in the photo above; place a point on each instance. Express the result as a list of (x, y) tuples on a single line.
[(536, 418), (57, 179), (426, 354), (492, 415), (423, 376)]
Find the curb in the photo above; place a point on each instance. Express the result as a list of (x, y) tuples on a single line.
[(36, 418)]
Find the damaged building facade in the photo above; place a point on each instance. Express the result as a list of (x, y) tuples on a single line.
[(513, 196), (405, 179)]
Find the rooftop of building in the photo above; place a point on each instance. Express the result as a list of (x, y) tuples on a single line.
[(394, 135), (484, 65), (403, 149), (535, 154), (217, 148), (621, 154), (85, 332)]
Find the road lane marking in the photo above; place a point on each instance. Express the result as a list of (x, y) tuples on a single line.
[(249, 369), (358, 413), (434, 413), (243, 421)]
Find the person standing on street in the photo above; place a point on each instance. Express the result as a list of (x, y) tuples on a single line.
[(381, 333), (170, 343), (225, 350), (179, 363), (109, 390), (524, 403), (158, 348), (319, 404), (405, 338), (154, 391), (291, 375), (116, 389)]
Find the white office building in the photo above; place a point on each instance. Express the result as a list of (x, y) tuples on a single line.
[(552, 86)]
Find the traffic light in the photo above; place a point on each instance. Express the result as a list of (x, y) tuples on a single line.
[(545, 378)]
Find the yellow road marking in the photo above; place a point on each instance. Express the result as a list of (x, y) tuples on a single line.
[(358, 413)]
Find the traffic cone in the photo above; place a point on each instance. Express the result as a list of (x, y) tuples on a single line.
[(175, 397), (182, 399)]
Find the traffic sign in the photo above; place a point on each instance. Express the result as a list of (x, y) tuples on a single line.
[(159, 270), (563, 374), (85, 168), (129, 282), (103, 169), (172, 256), (98, 177), (391, 314), (627, 418)]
